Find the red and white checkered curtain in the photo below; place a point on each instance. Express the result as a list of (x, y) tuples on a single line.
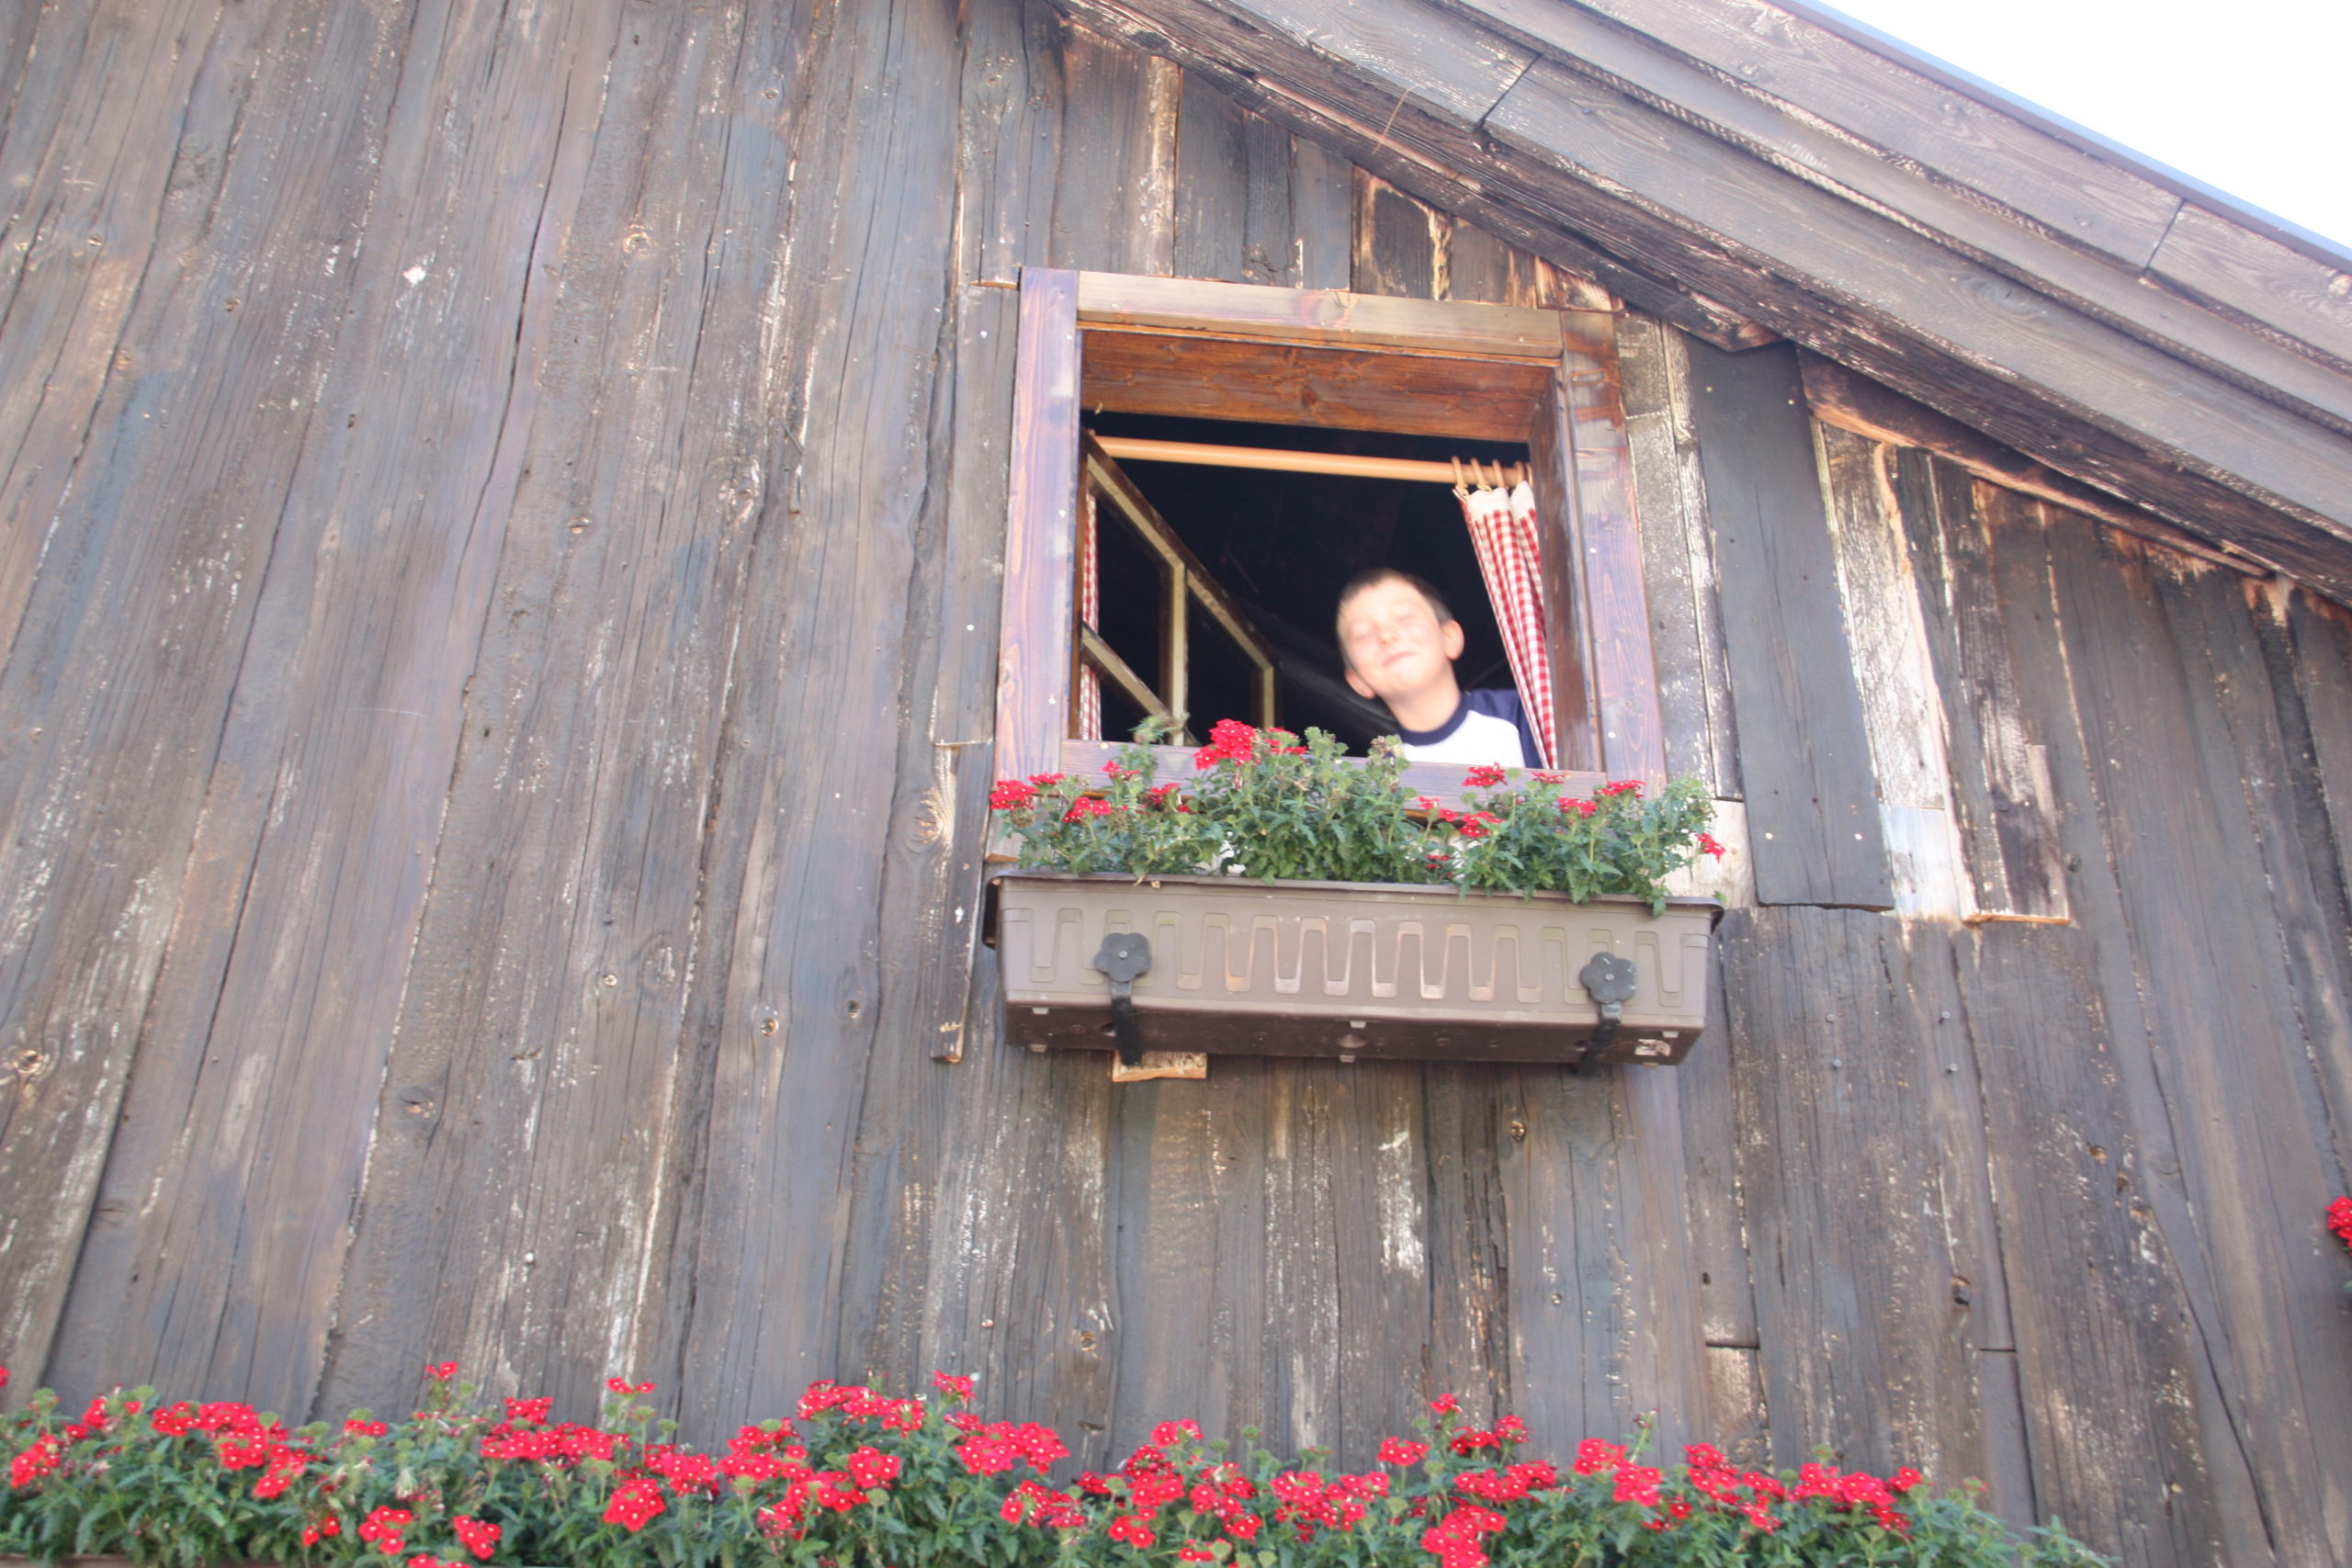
[(1090, 613), (1510, 555)]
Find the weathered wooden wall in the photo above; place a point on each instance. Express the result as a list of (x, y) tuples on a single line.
[(502, 520)]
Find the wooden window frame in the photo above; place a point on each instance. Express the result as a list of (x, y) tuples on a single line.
[(1360, 360)]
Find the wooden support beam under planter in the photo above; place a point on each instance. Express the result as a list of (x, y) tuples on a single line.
[(1351, 970)]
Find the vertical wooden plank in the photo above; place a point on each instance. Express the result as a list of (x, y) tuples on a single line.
[(1269, 231), (2149, 670), (1854, 1205), (1805, 756), (1608, 560), (2026, 576), (1477, 265), (1999, 769), (97, 803), (1213, 184), (1323, 208), (2102, 1329), (1469, 1348), (1033, 640), (325, 779), (1007, 139), (1902, 707), (1552, 460), (821, 703), (1679, 560), (1115, 196), (1396, 241), (1375, 1115)]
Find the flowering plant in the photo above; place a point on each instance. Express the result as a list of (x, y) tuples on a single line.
[(856, 1479), (1265, 805)]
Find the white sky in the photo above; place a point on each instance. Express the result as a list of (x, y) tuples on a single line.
[(2253, 97)]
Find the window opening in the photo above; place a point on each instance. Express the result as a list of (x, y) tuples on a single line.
[(1282, 545), (1095, 343)]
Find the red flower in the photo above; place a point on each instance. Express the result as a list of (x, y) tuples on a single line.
[(1229, 741), (1484, 776), (1478, 825), (1552, 779), (1169, 1433), (634, 1503), (1638, 1484), (1623, 787), (871, 1468), (477, 1536), (1402, 1450), (1593, 1456), (1086, 806), (955, 1383), (1193, 1551), (1569, 803), (1708, 846), (1132, 1529), (1444, 1405), (441, 1371), (1011, 794), (2339, 1220)]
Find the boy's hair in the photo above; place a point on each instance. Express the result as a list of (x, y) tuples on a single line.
[(1372, 577)]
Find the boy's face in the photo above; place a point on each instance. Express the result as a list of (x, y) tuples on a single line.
[(1396, 647)]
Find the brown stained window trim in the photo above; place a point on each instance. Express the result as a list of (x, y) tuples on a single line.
[(1421, 365)]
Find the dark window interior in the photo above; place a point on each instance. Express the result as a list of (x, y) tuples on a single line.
[(1282, 545)]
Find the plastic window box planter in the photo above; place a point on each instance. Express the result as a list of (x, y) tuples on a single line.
[(1351, 970)]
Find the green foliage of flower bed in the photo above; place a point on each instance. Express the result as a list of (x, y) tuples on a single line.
[(1267, 806), (859, 1480)]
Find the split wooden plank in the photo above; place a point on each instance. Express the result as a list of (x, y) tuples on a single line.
[(1805, 756), (2000, 767), (1004, 203), (2319, 653), (1468, 1349), (2051, 693)]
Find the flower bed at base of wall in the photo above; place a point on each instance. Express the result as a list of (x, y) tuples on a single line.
[(855, 1479)]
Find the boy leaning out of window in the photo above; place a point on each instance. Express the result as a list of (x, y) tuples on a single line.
[(1400, 641)]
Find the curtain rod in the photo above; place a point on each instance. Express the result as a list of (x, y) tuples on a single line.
[(1454, 473)]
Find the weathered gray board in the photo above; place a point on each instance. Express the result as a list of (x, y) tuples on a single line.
[(586, 1023)]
